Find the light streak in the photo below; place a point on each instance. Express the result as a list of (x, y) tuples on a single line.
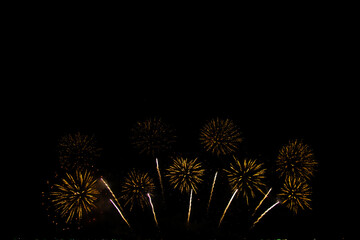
[(232, 197), (188, 218), (261, 201), (108, 187), (267, 210), (160, 179), (120, 212), (211, 192), (152, 207)]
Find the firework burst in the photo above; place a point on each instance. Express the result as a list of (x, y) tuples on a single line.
[(152, 136), (220, 137), (185, 174), (247, 176), (135, 188), (295, 194), (75, 196), (78, 151), (296, 160)]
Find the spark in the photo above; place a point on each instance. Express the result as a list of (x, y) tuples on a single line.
[(267, 210), (188, 218), (160, 179), (232, 197), (152, 207), (211, 192), (123, 217), (108, 187), (261, 201)]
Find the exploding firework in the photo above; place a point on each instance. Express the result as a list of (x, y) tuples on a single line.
[(135, 188), (75, 196), (295, 194), (78, 151), (220, 137), (247, 176), (296, 160), (152, 136), (185, 174)]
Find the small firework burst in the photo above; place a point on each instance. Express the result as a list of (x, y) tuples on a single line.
[(220, 137), (295, 194), (135, 188), (185, 174), (152, 136), (247, 176), (75, 196), (296, 160), (78, 151)]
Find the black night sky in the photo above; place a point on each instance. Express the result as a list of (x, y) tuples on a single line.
[(275, 86)]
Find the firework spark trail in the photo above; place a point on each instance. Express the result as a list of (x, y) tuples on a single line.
[(152, 207), (265, 213), (120, 212), (211, 192), (160, 179), (108, 187), (261, 202), (222, 217), (188, 218)]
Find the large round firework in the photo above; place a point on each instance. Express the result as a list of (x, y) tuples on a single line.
[(295, 194), (185, 174), (247, 177), (135, 188), (78, 151), (75, 196), (152, 136), (220, 137), (296, 160)]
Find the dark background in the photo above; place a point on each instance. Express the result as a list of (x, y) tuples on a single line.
[(278, 80)]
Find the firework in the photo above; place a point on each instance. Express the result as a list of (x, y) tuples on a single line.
[(75, 196), (296, 194), (220, 137), (189, 211), (232, 197), (262, 200), (267, 210), (152, 208), (185, 174), (135, 188), (108, 187), (160, 179), (296, 160), (123, 217), (247, 176), (78, 151), (212, 189), (152, 136)]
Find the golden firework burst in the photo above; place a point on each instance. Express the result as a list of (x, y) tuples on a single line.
[(296, 194), (75, 196), (152, 136), (135, 188), (247, 176), (296, 160), (78, 151), (220, 137), (185, 174)]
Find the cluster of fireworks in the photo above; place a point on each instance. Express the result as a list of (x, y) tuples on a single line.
[(74, 197)]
